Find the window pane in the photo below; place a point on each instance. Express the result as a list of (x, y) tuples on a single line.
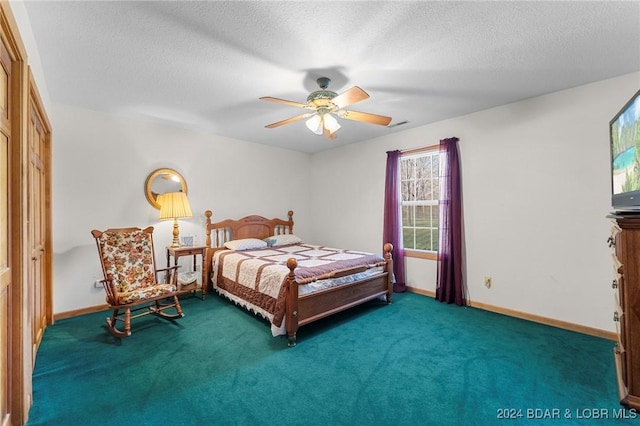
[(407, 169), (407, 216), (423, 239), (436, 166), (424, 190), (405, 190), (435, 189), (435, 240), (423, 216), (422, 166), (407, 238), (435, 218), (427, 192)]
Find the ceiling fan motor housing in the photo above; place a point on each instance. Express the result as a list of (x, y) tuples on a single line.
[(320, 98), (323, 82)]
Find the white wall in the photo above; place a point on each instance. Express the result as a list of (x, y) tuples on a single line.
[(101, 161), (536, 192)]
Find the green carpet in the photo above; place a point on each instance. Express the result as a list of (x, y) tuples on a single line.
[(415, 361)]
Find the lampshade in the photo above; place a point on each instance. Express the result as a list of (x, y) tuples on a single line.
[(174, 205)]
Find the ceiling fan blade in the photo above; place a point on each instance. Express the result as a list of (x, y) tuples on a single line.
[(350, 97), (380, 120), (283, 101), (288, 120)]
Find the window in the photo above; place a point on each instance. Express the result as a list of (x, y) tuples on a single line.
[(419, 181)]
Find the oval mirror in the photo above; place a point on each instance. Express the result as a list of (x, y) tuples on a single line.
[(161, 181)]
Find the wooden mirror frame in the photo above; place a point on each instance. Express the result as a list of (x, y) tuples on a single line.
[(157, 174)]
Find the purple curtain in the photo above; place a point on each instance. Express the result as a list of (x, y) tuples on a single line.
[(450, 287), (392, 232)]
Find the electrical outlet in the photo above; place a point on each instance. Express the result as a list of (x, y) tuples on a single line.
[(487, 282), (96, 282)]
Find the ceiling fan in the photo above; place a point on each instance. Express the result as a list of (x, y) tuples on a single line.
[(324, 103)]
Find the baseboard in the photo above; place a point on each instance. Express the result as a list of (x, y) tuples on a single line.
[(610, 335), (429, 293), (76, 312)]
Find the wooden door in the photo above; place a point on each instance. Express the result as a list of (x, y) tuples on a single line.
[(36, 212), (5, 258)]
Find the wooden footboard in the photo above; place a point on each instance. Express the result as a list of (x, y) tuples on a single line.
[(301, 310)]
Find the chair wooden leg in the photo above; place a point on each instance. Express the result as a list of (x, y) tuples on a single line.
[(127, 322), (159, 309), (111, 326), (178, 307)]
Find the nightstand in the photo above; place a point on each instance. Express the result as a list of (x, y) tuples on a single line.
[(195, 251)]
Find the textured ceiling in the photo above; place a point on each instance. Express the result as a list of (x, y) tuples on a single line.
[(203, 65)]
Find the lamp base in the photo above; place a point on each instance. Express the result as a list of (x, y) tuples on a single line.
[(176, 241)]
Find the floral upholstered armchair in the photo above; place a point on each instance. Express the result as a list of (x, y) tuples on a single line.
[(131, 279)]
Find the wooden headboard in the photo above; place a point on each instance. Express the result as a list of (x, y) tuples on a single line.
[(253, 226)]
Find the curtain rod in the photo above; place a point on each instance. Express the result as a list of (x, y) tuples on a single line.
[(417, 150)]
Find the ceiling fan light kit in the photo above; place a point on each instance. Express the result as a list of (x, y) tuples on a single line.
[(320, 122), (315, 124), (324, 103), (330, 123)]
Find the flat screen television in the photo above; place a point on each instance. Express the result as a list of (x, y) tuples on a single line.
[(624, 132)]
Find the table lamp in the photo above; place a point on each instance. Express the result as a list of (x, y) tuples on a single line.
[(174, 205)]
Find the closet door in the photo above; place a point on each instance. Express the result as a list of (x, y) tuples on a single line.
[(5, 259), (38, 290)]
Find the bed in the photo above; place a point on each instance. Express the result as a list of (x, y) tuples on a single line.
[(261, 265)]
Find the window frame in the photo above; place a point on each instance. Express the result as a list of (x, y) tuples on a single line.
[(412, 252)]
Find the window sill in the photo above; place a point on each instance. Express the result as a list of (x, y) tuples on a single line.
[(420, 254)]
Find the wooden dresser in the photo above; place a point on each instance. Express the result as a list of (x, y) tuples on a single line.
[(625, 242)]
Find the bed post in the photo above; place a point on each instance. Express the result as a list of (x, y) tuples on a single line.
[(290, 214), (206, 262), (388, 247), (291, 307), (207, 228)]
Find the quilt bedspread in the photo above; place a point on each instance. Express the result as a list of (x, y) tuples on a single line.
[(258, 276)]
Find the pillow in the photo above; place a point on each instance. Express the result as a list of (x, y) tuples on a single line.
[(245, 244), (282, 240)]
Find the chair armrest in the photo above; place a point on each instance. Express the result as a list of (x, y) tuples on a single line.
[(111, 289)]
